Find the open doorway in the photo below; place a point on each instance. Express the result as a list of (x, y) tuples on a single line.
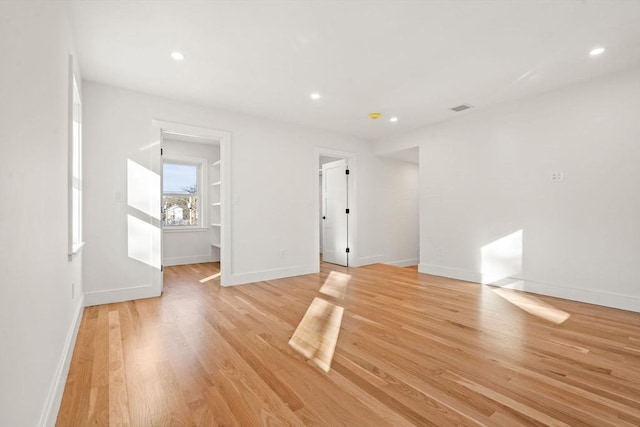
[(193, 165), (190, 207), (336, 204)]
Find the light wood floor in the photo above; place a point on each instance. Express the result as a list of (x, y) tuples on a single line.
[(412, 349)]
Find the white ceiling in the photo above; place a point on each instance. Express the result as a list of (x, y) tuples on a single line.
[(412, 59)]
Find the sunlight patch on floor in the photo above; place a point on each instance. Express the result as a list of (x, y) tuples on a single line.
[(336, 285), (317, 334), (213, 276), (533, 305)]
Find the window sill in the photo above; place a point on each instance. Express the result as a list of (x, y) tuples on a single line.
[(174, 229), (75, 250)]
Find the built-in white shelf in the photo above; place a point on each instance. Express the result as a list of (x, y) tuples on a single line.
[(216, 203)]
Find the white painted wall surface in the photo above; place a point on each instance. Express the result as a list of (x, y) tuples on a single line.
[(38, 316), (398, 212), (274, 172), (486, 175), (191, 246)]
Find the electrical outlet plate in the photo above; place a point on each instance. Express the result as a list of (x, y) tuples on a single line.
[(557, 176)]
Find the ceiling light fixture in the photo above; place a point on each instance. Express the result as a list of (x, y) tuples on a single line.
[(374, 115), (596, 51), (177, 56), (315, 96), (393, 119)]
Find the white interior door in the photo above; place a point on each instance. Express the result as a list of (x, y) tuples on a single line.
[(159, 168), (335, 220)]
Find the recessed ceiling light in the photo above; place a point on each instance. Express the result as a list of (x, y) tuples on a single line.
[(315, 95), (597, 51), (177, 56), (393, 119)]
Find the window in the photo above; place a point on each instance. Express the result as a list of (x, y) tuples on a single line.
[(181, 194), (75, 166)]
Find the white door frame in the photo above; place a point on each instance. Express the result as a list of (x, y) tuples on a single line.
[(158, 130), (352, 201)]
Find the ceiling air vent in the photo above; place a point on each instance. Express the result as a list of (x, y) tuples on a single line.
[(461, 108)]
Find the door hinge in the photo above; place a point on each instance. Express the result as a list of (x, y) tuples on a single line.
[(346, 171), (347, 211), (162, 268), (161, 152), (347, 250)]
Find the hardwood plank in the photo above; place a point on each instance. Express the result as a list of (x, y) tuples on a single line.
[(76, 400), (317, 334), (412, 349), (118, 396)]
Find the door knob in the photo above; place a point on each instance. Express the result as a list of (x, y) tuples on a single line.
[(324, 217)]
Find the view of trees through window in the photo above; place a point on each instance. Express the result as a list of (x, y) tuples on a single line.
[(180, 198)]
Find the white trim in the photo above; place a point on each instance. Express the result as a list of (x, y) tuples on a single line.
[(54, 399), (435, 270), (183, 229), (182, 260), (77, 248), (589, 296), (120, 295), (278, 273), (359, 262), (404, 262)]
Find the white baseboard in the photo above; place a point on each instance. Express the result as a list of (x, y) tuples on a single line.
[(468, 276), (590, 296), (182, 260), (54, 399), (279, 273), (119, 295), (359, 262), (404, 262)]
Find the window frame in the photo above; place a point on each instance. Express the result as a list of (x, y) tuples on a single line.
[(75, 181), (201, 172)]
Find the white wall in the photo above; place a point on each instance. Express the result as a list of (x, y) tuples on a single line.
[(191, 246), (486, 175), (398, 212), (274, 172), (38, 315)]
